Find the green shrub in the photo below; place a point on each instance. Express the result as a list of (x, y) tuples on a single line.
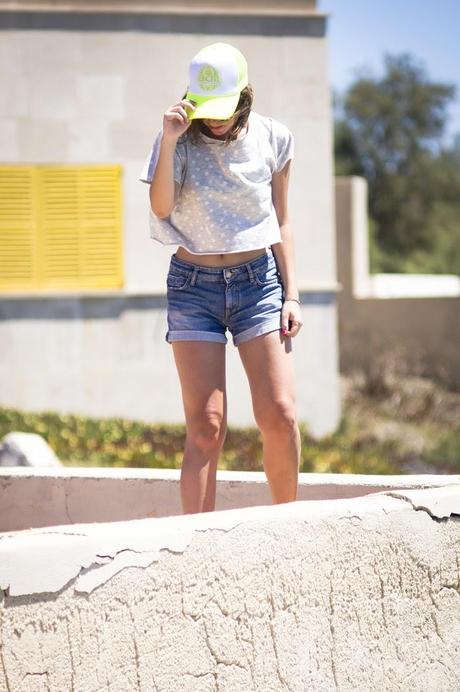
[(446, 452), (84, 441)]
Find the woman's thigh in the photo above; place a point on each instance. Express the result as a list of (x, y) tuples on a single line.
[(201, 369), (268, 362)]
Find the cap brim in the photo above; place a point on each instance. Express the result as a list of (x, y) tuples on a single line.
[(216, 108)]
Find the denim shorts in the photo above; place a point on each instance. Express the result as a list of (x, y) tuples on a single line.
[(203, 302)]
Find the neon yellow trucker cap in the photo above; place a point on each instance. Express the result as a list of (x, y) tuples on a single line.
[(217, 75)]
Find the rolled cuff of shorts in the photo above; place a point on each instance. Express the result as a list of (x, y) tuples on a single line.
[(192, 335), (257, 330)]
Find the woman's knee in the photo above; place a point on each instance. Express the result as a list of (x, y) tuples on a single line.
[(207, 430), (277, 417)]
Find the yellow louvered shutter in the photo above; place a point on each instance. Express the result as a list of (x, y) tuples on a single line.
[(71, 232), (18, 227)]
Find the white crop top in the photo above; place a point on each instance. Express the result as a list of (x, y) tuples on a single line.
[(225, 202)]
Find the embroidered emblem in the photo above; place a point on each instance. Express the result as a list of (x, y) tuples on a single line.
[(208, 78)]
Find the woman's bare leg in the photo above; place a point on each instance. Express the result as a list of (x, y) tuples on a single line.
[(268, 361), (201, 369)]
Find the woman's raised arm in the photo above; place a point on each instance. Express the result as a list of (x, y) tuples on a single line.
[(163, 189)]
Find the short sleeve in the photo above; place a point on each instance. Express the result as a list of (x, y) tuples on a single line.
[(283, 144), (151, 161)]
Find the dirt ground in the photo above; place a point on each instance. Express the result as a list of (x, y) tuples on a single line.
[(418, 414)]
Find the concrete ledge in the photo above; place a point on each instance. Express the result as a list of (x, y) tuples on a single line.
[(296, 8), (32, 498), (241, 24), (359, 594), (159, 292), (414, 286)]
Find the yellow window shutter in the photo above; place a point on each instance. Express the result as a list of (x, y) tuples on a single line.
[(75, 226), (18, 227)]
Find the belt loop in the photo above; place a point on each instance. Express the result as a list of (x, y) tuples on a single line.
[(194, 275), (250, 272)]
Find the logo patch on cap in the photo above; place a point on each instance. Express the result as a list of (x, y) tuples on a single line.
[(208, 78)]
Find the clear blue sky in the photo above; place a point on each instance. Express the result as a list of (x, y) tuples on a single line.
[(361, 31)]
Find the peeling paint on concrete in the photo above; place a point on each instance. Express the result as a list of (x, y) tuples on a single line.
[(39, 561), (97, 574), (46, 560), (42, 560), (438, 502)]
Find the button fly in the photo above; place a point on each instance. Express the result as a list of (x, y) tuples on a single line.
[(228, 273)]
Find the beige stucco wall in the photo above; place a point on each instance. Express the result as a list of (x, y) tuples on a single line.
[(359, 595), (108, 357)]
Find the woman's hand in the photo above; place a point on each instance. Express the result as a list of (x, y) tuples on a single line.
[(175, 119), (291, 318)]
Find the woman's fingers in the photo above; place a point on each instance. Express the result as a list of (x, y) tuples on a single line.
[(177, 116), (182, 106), (188, 104), (295, 328), (291, 322), (179, 111)]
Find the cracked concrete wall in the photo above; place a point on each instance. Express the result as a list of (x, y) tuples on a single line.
[(359, 594)]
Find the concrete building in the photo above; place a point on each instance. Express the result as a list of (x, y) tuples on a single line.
[(84, 86), (401, 323)]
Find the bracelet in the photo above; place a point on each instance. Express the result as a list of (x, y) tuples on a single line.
[(296, 300)]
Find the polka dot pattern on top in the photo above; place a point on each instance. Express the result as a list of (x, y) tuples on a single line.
[(225, 201)]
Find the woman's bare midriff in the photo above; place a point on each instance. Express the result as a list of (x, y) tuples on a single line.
[(226, 259)]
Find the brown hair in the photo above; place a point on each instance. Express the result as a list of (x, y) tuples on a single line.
[(242, 111)]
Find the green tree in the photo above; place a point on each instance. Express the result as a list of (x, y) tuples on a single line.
[(390, 130)]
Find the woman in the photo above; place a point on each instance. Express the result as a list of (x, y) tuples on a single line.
[(218, 175)]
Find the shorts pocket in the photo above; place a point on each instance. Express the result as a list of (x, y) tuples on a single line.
[(178, 281), (267, 276)]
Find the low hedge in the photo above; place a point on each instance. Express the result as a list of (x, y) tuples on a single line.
[(84, 441)]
